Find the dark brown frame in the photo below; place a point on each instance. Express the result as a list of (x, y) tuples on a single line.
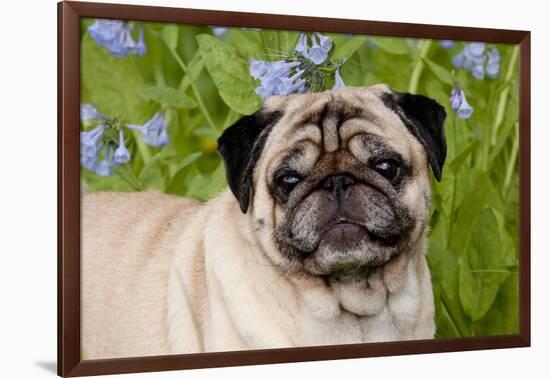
[(69, 362)]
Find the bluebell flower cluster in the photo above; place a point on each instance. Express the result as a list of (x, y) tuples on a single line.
[(301, 71), (459, 103), (102, 149), (480, 61), (93, 144), (117, 37)]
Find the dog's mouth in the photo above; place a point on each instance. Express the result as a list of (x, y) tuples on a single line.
[(348, 247), (345, 231)]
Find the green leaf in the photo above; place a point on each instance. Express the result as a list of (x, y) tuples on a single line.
[(288, 40), (112, 84), (450, 318), (478, 192), (247, 42), (169, 35), (152, 174), (351, 72), (206, 133), (392, 45), (458, 162), (348, 48), (442, 74), (194, 68), (204, 187), (114, 183), (169, 96), (451, 186), (435, 89), (186, 162), (503, 317), (481, 270), (229, 73)]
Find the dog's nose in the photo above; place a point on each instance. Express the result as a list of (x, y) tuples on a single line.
[(338, 184)]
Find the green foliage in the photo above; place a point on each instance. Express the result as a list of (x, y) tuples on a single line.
[(202, 84), (169, 96), (230, 74), (480, 264)]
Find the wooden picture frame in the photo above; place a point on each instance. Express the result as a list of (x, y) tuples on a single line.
[(69, 355)]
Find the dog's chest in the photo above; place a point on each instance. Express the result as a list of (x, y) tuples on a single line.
[(396, 320), (347, 328)]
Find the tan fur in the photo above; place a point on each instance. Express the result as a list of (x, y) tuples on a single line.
[(164, 275)]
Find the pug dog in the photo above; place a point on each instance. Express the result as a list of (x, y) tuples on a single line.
[(319, 240)]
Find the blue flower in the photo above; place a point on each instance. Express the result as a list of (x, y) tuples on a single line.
[(458, 60), (219, 31), (105, 166), (459, 103), (88, 113), (470, 56), (124, 44), (320, 47), (90, 146), (153, 131), (116, 36), (446, 44), (89, 140), (301, 46), (90, 161), (122, 155), (105, 32), (338, 82), (493, 63), (455, 99), (475, 58), (141, 48), (277, 78), (474, 49)]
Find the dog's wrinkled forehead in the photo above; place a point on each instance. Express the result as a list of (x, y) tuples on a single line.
[(321, 115), (284, 119)]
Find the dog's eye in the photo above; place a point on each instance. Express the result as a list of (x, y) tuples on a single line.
[(390, 169), (288, 181)]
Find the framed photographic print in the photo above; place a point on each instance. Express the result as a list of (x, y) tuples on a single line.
[(239, 188)]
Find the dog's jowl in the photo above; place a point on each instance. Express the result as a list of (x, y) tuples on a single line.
[(320, 238)]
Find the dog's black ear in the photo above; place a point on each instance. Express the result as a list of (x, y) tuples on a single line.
[(241, 146), (424, 118)]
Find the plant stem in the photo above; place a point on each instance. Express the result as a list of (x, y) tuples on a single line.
[(459, 326), (450, 318), (142, 148), (195, 90), (419, 66), (503, 99), (486, 142), (159, 77), (512, 161), (134, 182), (453, 195)]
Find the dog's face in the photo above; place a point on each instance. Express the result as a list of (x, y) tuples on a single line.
[(337, 183)]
